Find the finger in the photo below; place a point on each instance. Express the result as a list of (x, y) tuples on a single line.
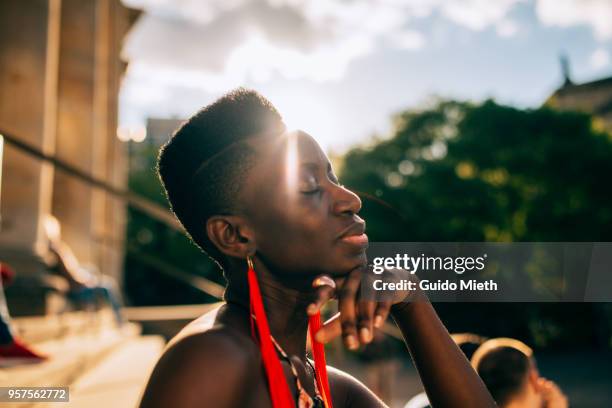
[(382, 312), (322, 295), (365, 320), (347, 304), (331, 329)]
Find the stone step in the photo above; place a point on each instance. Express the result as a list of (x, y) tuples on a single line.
[(39, 329), (118, 380), (70, 356)]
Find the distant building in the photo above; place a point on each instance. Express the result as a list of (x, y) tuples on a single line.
[(594, 97)]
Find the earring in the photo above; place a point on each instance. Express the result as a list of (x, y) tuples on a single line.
[(279, 390)]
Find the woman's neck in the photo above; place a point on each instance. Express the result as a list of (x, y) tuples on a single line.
[(285, 306)]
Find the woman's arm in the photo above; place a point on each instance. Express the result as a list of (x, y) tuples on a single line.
[(448, 377)]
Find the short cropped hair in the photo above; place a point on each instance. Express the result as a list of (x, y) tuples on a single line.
[(203, 165), (504, 372)]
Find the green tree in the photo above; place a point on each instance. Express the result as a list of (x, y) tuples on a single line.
[(461, 172)]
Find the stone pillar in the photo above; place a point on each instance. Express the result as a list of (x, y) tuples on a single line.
[(101, 130), (59, 87), (29, 37), (72, 198), (115, 211), (93, 222), (110, 156)]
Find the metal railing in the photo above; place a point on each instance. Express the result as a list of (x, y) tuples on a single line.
[(138, 202)]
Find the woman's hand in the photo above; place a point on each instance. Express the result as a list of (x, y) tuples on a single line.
[(448, 377), (360, 308)]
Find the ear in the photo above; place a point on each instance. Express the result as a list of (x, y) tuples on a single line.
[(231, 235)]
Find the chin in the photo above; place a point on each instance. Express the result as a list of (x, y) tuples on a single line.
[(349, 264)]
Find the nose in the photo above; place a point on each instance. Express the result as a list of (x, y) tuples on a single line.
[(345, 201)]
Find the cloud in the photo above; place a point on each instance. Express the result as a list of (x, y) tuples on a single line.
[(189, 50), (600, 58), (477, 14), (507, 28), (219, 42), (255, 39), (566, 13), (233, 41), (407, 39)]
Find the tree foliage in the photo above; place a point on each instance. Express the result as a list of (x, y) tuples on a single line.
[(459, 172), (462, 172)]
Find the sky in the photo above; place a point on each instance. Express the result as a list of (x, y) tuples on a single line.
[(340, 69)]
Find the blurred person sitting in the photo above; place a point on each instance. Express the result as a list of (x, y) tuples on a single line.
[(13, 351), (85, 283), (508, 369)]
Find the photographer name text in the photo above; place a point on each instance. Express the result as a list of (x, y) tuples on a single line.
[(438, 285)]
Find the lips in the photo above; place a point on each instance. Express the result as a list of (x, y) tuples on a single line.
[(355, 235)]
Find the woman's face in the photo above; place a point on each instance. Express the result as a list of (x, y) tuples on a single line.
[(304, 221)]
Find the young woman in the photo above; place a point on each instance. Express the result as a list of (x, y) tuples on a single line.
[(267, 207)]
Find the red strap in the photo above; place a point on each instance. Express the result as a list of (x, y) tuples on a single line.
[(279, 389), (319, 357)]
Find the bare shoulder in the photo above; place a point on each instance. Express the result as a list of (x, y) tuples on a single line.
[(204, 323), (213, 366), (348, 391)]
